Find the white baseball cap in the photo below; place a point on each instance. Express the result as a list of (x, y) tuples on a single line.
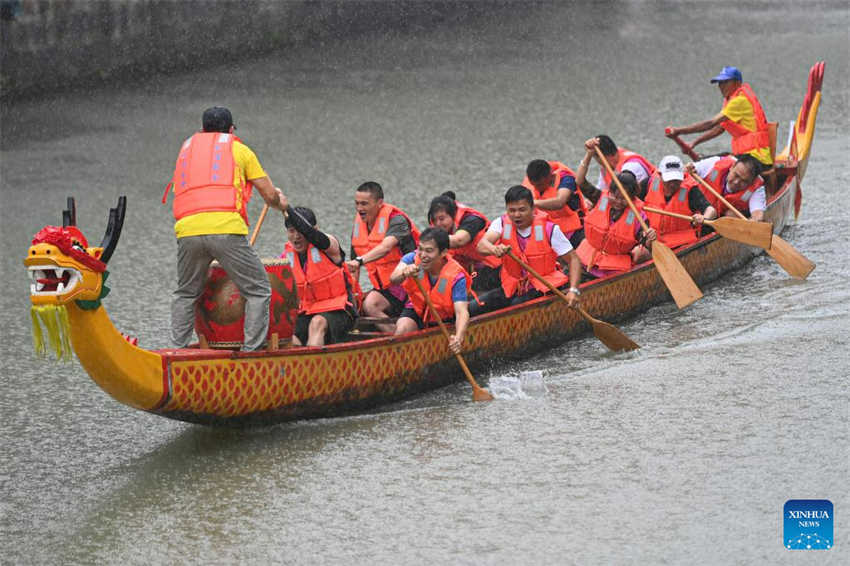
[(671, 168)]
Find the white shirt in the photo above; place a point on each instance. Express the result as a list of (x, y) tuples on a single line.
[(758, 200), (560, 244), (633, 166)]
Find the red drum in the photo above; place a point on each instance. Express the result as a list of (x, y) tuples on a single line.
[(220, 312)]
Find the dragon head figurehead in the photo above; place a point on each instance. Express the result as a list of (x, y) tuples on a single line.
[(64, 268)]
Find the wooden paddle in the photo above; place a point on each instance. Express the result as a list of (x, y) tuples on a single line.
[(683, 145), (793, 262), (608, 334), (478, 394), (259, 223), (675, 276), (757, 234)]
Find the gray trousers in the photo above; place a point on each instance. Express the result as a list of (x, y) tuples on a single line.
[(242, 264)]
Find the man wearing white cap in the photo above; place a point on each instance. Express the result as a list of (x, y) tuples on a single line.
[(665, 192), (742, 116)]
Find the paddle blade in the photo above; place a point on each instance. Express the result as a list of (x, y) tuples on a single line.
[(675, 276), (612, 337), (479, 394), (796, 264), (759, 234)]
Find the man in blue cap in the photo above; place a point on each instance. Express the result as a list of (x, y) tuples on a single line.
[(742, 116)]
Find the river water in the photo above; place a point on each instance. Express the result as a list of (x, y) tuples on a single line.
[(682, 452)]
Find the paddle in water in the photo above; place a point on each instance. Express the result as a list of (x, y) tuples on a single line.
[(793, 262), (608, 334), (478, 393), (757, 234), (673, 273)]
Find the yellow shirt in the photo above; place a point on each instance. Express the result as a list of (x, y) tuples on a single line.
[(740, 110), (248, 168)]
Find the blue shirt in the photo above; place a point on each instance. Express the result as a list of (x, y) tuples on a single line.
[(458, 289)]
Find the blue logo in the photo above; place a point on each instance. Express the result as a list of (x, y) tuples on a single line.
[(807, 524)]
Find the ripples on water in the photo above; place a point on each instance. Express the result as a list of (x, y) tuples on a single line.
[(681, 452)]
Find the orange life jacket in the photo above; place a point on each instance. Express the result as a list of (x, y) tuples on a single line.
[(608, 246), (743, 139), (467, 255), (673, 232), (717, 179), (322, 285), (567, 219), (440, 292), (537, 253), (625, 156), (203, 177), (362, 240)]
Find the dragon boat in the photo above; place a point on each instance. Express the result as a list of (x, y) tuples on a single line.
[(229, 387)]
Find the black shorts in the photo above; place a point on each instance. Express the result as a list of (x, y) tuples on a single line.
[(396, 306), (408, 312), (339, 324)]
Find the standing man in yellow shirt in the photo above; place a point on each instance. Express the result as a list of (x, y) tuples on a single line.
[(212, 183), (742, 116)]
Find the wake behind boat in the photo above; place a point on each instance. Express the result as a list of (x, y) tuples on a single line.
[(225, 387)]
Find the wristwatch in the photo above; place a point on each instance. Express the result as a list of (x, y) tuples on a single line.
[(575, 290), (359, 259)]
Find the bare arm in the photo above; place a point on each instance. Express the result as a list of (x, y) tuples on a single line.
[(271, 194), (555, 203), (459, 239), (487, 245), (697, 127), (711, 134), (402, 271), (461, 322)]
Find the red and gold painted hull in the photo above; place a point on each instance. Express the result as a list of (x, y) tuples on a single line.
[(216, 387)]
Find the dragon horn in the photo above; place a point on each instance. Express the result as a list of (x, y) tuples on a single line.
[(69, 216), (113, 229)]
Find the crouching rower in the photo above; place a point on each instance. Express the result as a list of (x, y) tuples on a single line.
[(326, 310), (537, 241), (447, 284), (737, 179), (613, 239), (666, 192), (466, 227)]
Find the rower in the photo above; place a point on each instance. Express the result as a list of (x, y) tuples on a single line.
[(619, 158), (553, 185), (741, 115), (382, 234), (537, 241), (466, 227), (665, 192), (737, 179), (447, 284), (614, 241), (326, 309)]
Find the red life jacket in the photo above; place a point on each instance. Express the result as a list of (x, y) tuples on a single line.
[(537, 252), (322, 285), (673, 232), (608, 246), (625, 156), (467, 255), (745, 140), (567, 219), (362, 240), (203, 177), (440, 292), (717, 179)]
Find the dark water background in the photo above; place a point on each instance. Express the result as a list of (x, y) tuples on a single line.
[(683, 452)]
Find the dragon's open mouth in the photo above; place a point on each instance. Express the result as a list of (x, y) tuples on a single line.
[(52, 280)]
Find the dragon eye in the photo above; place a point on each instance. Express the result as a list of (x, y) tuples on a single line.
[(79, 247)]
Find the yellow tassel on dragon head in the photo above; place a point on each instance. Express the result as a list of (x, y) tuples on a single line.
[(63, 268)]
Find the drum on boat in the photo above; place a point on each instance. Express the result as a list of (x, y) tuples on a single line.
[(220, 312)]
